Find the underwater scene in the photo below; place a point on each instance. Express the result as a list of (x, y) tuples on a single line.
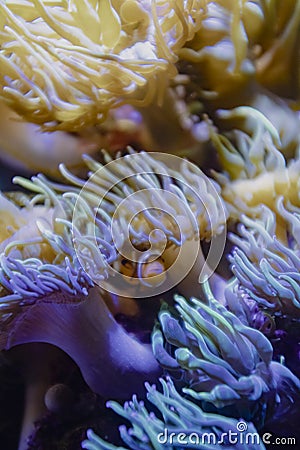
[(149, 224)]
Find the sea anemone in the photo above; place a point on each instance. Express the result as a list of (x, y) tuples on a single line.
[(277, 61), (255, 171), (180, 423), (89, 258), (32, 284), (266, 265), (240, 42), (159, 207), (65, 65), (19, 229), (46, 297), (224, 362)]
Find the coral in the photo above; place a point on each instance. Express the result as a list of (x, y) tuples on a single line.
[(102, 350), (19, 224), (276, 110), (224, 361), (65, 233), (261, 189), (218, 56), (37, 254), (277, 64), (180, 423)]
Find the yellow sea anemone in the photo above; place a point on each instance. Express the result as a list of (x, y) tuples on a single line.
[(255, 171), (278, 62), (65, 64), (240, 41), (19, 232), (218, 54)]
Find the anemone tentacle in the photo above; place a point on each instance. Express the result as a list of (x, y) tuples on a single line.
[(267, 266), (179, 416), (223, 360), (127, 200), (255, 171), (122, 52)]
